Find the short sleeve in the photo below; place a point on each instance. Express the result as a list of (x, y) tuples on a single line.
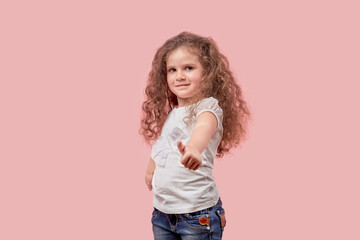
[(211, 105)]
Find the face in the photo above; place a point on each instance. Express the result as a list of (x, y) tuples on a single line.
[(184, 74)]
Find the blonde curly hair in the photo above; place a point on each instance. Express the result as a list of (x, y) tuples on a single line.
[(218, 82)]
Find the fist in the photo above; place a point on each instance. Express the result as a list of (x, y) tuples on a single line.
[(191, 158)]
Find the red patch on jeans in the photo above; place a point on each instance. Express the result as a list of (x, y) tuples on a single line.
[(223, 220), (204, 221)]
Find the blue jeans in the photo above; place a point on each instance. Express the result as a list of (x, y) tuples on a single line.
[(205, 224)]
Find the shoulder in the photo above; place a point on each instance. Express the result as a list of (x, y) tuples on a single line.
[(210, 104), (208, 100)]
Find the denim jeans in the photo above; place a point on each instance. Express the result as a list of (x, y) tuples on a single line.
[(205, 224)]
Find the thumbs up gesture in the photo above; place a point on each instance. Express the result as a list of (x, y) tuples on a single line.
[(191, 158)]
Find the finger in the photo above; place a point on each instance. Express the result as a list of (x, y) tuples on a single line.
[(149, 185), (185, 159), (181, 147), (192, 165), (197, 167)]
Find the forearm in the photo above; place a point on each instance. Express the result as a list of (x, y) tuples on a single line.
[(149, 173), (203, 131), (200, 138), (151, 166)]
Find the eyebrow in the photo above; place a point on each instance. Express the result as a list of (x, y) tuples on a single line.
[(186, 64)]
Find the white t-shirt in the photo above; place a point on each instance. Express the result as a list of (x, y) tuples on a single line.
[(177, 189)]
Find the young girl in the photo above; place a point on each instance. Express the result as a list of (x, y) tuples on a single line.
[(195, 111)]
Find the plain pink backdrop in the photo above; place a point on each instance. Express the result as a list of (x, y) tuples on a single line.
[(72, 79)]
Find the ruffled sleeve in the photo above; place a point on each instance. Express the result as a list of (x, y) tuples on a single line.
[(211, 105)]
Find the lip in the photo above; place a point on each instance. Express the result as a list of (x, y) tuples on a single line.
[(182, 85)]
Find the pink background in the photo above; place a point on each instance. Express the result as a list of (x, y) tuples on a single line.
[(72, 80)]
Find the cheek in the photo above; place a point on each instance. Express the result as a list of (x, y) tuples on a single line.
[(169, 77), (198, 78), (168, 80), (169, 83)]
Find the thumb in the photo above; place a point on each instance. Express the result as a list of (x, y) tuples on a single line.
[(181, 147)]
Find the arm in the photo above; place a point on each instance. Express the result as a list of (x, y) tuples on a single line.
[(149, 173), (203, 131)]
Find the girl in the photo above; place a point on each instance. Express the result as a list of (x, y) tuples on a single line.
[(195, 111)]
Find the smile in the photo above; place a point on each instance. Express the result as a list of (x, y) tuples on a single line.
[(182, 85)]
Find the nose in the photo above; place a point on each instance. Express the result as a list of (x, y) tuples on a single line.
[(180, 76)]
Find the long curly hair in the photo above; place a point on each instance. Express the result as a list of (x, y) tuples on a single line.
[(218, 82)]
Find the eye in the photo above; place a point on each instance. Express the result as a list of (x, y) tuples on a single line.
[(188, 68), (172, 70)]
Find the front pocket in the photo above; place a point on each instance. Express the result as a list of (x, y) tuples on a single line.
[(194, 215), (201, 221), (155, 214)]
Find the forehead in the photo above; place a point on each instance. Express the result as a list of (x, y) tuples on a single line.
[(182, 54)]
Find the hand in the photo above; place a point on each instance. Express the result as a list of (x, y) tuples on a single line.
[(150, 173), (191, 158), (148, 179)]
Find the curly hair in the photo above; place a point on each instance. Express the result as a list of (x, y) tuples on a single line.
[(218, 82)]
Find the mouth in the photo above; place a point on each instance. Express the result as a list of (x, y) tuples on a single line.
[(182, 85)]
